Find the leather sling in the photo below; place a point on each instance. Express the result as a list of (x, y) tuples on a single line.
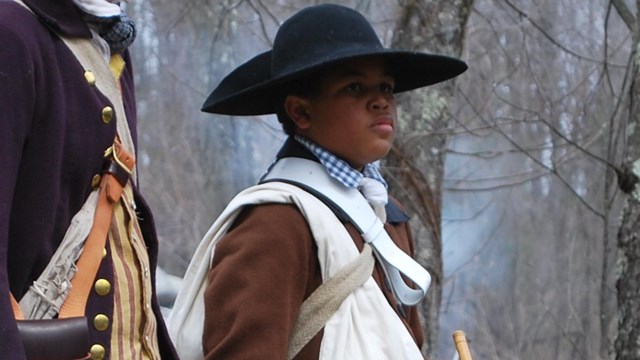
[(111, 187), (71, 327)]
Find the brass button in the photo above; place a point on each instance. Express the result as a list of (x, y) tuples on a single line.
[(103, 287), (107, 114), (90, 77), (104, 253), (101, 322), (95, 182), (97, 352)]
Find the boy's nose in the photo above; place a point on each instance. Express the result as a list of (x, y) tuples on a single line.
[(379, 101)]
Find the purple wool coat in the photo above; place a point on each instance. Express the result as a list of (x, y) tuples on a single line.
[(52, 139)]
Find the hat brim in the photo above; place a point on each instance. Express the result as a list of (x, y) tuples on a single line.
[(249, 89)]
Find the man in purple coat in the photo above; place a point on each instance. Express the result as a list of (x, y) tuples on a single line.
[(55, 126)]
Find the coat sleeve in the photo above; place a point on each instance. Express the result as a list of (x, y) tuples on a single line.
[(262, 271), (16, 104)]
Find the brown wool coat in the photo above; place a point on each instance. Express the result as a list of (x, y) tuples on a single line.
[(262, 271)]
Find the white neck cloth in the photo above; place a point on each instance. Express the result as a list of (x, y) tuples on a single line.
[(376, 194), (99, 8)]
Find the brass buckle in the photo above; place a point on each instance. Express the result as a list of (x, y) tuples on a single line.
[(112, 153)]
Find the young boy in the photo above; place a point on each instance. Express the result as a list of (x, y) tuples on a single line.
[(332, 85)]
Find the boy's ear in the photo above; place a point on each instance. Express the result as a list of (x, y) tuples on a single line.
[(296, 108)]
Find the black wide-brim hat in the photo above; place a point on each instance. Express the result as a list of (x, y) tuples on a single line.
[(312, 39)]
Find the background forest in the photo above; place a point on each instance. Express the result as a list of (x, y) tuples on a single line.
[(519, 174)]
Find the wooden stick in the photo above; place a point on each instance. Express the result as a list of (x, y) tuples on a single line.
[(461, 345)]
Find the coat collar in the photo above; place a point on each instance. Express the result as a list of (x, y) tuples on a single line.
[(60, 15), (292, 148)]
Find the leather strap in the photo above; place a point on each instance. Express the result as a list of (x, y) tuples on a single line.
[(87, 265), (310, 174), (110, 192), (89, 261), (17, 312)]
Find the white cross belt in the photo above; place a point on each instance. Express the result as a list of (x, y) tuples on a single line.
[(311, 174)]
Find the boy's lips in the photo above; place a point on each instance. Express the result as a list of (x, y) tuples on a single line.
[(383, 120), (384, 123)]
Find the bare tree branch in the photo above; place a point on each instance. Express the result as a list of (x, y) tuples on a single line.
[(626, 14), (547, 35)]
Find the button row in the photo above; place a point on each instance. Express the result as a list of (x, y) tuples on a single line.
[(107, 111)]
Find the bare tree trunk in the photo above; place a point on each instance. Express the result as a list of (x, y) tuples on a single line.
[(415, 166), (627, 344)]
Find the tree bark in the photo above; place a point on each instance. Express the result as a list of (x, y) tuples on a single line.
[(415, 166), (627, 344)]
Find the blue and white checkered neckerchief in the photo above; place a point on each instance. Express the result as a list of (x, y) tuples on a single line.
[(340, 169)]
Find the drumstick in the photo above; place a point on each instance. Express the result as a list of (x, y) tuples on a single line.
[(461, 345)]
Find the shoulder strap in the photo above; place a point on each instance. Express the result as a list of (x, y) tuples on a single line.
[(394, 261), (326, 299)]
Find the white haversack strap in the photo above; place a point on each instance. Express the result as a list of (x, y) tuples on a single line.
[(312, 175)]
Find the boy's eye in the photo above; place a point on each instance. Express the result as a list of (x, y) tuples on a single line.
[(357, 88), (354, 88), (386, 88)]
